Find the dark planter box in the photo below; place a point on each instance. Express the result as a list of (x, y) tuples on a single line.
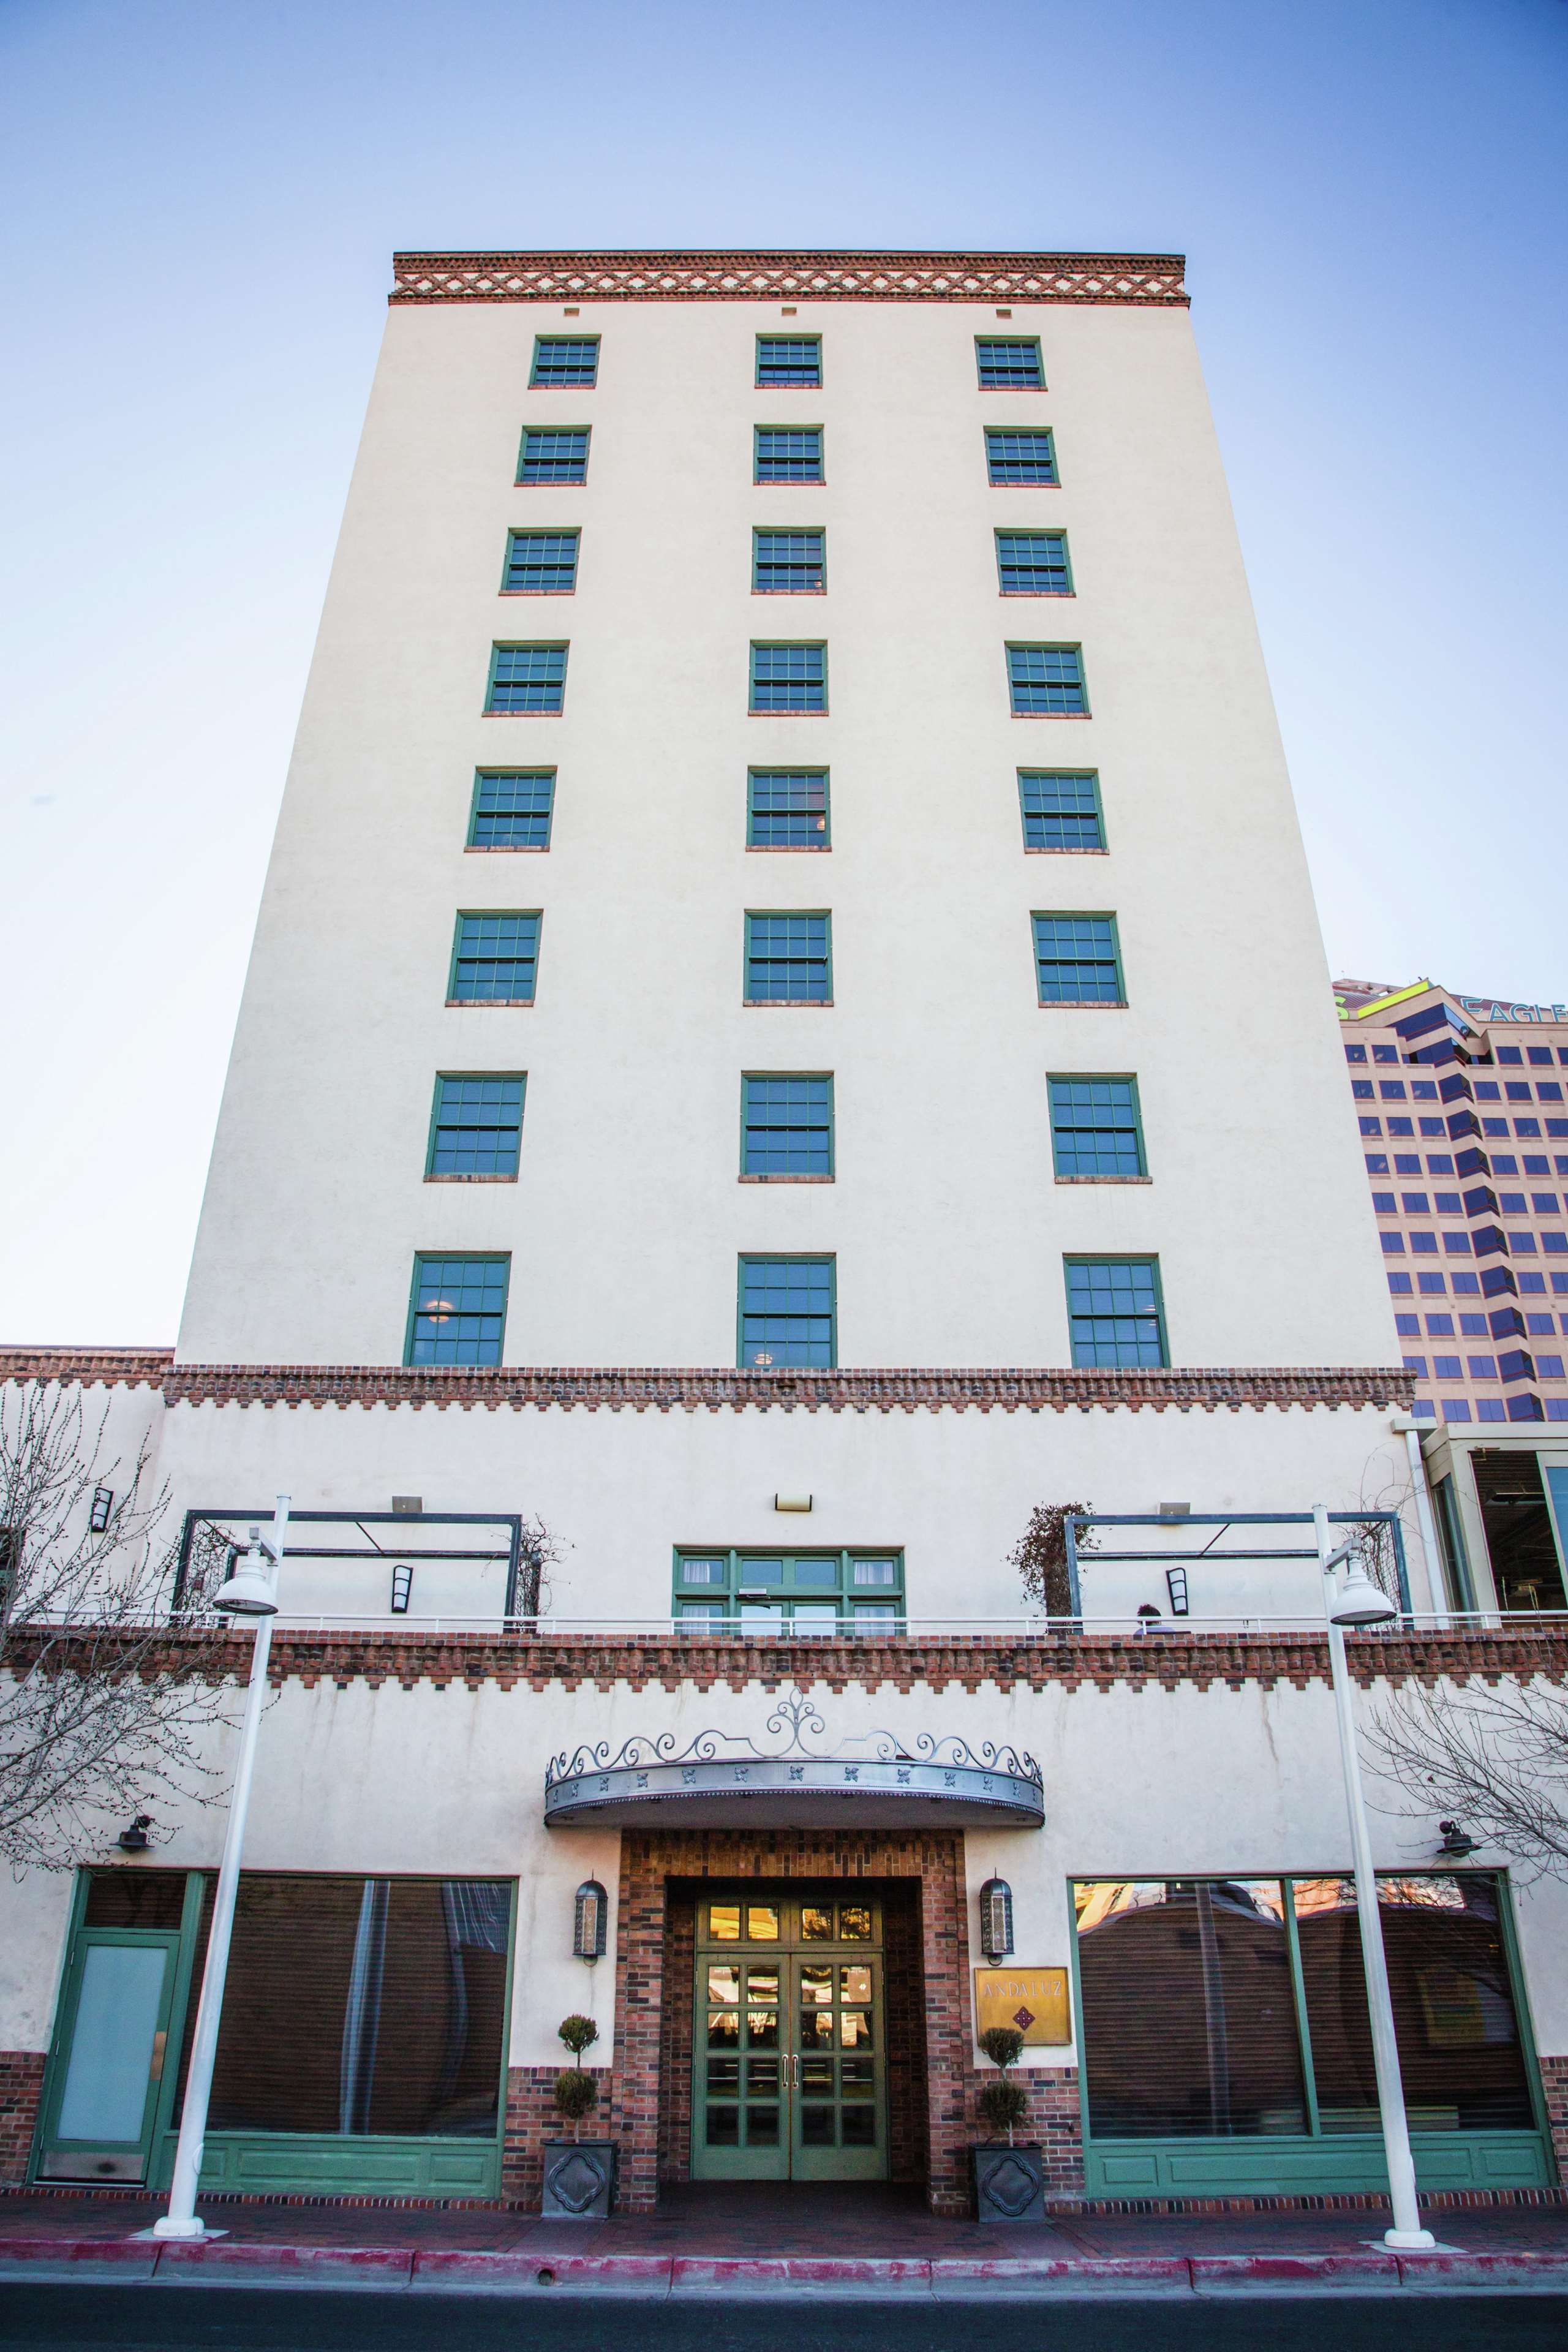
[(1009, 2182), (579, 2178)]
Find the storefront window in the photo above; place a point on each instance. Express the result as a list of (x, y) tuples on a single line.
[(1519, 1541)]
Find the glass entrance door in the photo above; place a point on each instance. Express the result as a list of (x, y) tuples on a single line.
[(789, 2071), (109, 2058)]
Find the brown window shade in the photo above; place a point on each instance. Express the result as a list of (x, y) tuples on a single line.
[(135, 1898), (361, 2005)]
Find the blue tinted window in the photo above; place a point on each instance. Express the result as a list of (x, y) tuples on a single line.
[(457, 1314), (1020, 458), (789, 359), (786, 808), (1095, 1128), (495, 960), (1114, 1312), (562, 361), (788, 563), (476, 1128), (786, 1126), (1009, 363), (789, 453), (1044, 681), (553, 455), (787, 960), (1077, 960), (527, 680), (511, 808), (541, 562), (786, 1312), (789, 678), (1033, 563), (1060, 811)]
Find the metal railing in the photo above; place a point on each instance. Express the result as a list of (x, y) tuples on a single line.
[(565, 1626)]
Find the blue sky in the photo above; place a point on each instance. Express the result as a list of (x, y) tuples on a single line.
[(200, 203)]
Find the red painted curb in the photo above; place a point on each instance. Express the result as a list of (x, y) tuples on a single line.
[(1501, 2270), (1087, 2274), (542, 2269), (711, 2273), (180, 2258), (120, 2255), (1253, 2271)]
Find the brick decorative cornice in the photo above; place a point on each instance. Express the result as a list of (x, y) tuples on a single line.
[(1152, 279), (669, 1389)]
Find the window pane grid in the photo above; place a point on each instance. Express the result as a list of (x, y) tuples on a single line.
[(787, 1311), (477, 1127), (1033, 563), (552, 455), (512, 811), (805, 1591), (789, 678), (561, 361), (786, 808), (1045, 679), (1020, 457), (458, 1311), (1077, 960), (528, 678), (1009, 363), (1060, 811), (788, 563), (542, 563), (497, 960), (787, 1125), (1095, 1129), (787, 960), (789, 359), (1113, 1311), (789, 453)]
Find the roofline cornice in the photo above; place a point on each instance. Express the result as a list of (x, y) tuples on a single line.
[(1154, 280)]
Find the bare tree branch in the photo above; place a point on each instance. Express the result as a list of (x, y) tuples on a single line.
[(1493, 1758)]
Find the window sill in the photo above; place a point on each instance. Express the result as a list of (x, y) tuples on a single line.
[(506, 848), (567, 483), (557, 713), (1028, 852), (1024, 486), (787, 1003), (786, 849), (1080, 1004), (1105, 1179), (783, 1180), (1013, 593), (789, 482), (756, 713), (489, 1004), (789, 591), (471, 1179), (1053, 714)]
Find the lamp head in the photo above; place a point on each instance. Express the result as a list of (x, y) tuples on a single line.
[(1358, 1602), (249, 1591)]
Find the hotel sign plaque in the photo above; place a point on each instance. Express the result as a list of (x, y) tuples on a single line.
[(1034, 2000)]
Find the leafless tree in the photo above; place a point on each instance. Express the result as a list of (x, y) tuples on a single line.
[(1493, 1758), (100, 1709)]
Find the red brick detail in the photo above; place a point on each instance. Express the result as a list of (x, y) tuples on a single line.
[(1554, 2088), (638, 1389), (21, 2091), (1149, 279)]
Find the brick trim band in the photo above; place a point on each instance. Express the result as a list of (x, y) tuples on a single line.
[(666, 1389), (1153, 279)]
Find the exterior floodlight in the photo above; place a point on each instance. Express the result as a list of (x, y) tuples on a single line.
[(996, 1919), (248, 1592), (1358, 1602)]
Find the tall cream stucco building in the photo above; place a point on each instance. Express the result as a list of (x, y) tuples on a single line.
[(786, 1028)]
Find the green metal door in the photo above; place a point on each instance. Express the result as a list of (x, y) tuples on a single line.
[(107, 2063), (789, 2065)]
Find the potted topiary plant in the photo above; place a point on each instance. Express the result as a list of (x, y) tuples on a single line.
[(1009, 2181), (579, 2174)]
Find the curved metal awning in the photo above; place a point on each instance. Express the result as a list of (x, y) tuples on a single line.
[(719, 1780)]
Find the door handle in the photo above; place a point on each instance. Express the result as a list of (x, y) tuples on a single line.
[(156, 2071)]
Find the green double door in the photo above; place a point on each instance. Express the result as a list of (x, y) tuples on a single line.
[(789, 2055)]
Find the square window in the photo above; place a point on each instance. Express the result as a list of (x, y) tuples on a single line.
[(527, 680), (1077, 960), (1033, 563), (787, 453), (1407, 1163), (1047, 682), (787, 1312), (1439, 1327), (1114, 1311), (791, 677), (1385, 1204), (1408, 1326), (789, 359), (1416, 1364), (1473, 1327), (564, 363), (1433, 1127), (1456, 1407), (511, 808), (1431, 1286), (1491, 1409), (1021, 460), (789, 958), (1376, 1161), (786, 808), (789, 562), (540, 564), (475, 1126), (1483, 1368), (1361, 1089), (1416, 1205), (1370, 1125), (495, 960), (1095, 1126), (1447, 1367), (1009, 364), (1399, 1127), (1385, 1053), (553, 453), (1399, 1285), (457, 1311), (1391, 1089), (1355, 1053), (786, 1125), (1061, 809)]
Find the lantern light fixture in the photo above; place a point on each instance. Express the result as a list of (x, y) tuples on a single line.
[(102, 1505), (402, 1585), (590, 1922), (996, 1919)]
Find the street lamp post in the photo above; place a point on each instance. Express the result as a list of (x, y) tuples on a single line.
[(251, 1591), (1360, 1603)]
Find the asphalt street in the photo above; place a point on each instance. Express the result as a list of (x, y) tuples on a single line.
[(150, 2318)]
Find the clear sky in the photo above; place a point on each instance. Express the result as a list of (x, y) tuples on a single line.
[(200, 203)]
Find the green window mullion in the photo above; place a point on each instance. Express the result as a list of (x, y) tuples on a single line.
[(1299, 1999)]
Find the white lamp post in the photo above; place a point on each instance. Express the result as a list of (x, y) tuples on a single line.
[(1360, 1603), (251, 1591)]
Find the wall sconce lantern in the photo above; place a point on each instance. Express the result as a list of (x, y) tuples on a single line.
[(402, 1585), (996, 1919), (1176, 1586), (1457, 1841), (591, 1921), (102, 1503), (135, 1838)]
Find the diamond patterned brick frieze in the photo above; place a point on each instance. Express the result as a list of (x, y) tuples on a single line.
[(1152, 279)]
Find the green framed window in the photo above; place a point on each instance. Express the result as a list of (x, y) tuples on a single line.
[(788, 1312), (1009, 364), (457, 1311), (787, 453), (527, 682), (788, 359), (1033, 563), (564, 363), (749, 1592), (789, 562), (511, 808), (786, 808), (495, 959), (1021, 460), (790, 678), (540, 563), (1061, 808), (1047, 682), (1096, 1130), (1077, 960), (552, 453), (786, 1124), (1115, 1315), (476, 1124), (789, 958)]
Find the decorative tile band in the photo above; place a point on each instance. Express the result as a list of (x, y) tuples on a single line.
[(1153, 279)]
